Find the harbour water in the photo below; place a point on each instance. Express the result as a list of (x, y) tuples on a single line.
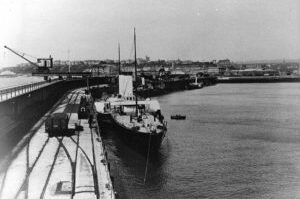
[(238, 141), (6, 82)]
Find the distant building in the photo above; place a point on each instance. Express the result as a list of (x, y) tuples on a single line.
[(212, 70), (129, 61), (109, 61), (91, 62), (147, 58), (186, 62), (141, 61), (23, 64), (223, 66)]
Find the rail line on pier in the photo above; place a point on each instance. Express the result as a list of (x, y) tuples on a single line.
[(35, 161), (30, 169), (59, 165), (51, 169)]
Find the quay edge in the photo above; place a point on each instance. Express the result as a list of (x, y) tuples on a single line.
[(74, 166), (19, 113), (258, 79)]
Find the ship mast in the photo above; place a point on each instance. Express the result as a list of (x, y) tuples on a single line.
[(135, 71), (119, 59)]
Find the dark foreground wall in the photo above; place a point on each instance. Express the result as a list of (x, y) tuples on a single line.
[(19, 114)]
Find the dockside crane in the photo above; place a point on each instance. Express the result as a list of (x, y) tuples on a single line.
[(46, 63)]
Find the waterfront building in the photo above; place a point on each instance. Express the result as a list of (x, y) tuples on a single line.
[(223, 66)]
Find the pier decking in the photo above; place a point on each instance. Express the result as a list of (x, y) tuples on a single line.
[(59, 167)]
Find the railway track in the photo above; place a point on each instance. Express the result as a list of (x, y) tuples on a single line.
[(24, 185), (63, 166)]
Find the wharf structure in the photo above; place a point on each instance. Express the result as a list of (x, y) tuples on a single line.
[(59, 167), (22, 106), (258, 79), (34, 165)]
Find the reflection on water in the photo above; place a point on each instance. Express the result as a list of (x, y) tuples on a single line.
[(128, 166), (238, 141)]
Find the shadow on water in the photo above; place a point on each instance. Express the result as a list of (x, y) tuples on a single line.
[(128, 166)]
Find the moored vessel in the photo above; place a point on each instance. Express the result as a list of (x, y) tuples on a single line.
[(139, 123), (196, 84), (178, 117)]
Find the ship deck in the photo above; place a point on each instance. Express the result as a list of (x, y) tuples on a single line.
[(58, 167)]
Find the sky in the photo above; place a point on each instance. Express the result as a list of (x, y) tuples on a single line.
[(166, 29)]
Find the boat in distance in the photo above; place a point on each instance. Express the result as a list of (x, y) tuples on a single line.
[(178, 117)]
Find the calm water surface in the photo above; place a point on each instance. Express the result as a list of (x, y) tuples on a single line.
[(238, 141), (6, 82)]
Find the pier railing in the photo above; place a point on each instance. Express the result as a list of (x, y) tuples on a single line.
[(10, 92)]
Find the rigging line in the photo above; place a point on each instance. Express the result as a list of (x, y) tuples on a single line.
[(131, 51), (147, 161)]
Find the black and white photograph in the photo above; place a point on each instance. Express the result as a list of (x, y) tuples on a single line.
[(149, 99)]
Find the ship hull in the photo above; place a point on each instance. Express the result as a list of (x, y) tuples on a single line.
[(142, 142)]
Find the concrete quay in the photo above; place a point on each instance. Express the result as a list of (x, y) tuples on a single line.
[(23, 106), (258, 79), (72, 166)]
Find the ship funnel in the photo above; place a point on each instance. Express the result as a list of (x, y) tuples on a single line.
[(125, 86)]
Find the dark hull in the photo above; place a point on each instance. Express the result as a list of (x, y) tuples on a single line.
[(178, 117), (192, 86), (132, 138), (104, 119)]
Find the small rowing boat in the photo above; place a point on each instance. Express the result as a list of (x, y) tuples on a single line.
[(178, 117)]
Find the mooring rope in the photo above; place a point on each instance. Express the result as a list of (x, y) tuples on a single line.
[(147, 161)]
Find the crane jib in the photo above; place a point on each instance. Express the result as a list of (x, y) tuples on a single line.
[(44, 61)]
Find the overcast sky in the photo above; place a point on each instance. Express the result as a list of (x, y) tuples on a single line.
[(166, 29)]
